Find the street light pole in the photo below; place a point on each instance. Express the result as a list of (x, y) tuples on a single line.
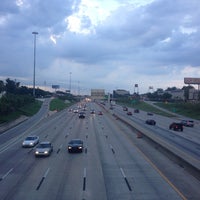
[(70, 82), (34, 33)]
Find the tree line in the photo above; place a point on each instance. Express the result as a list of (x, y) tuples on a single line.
[(13, 96)]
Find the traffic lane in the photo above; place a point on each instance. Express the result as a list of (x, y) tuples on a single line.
[(18, 168), (39, 129), (46, 170), (142, 178), (47, 174), (191, 133), (19, 129), (177, 175), (116, 187), (35, 177), (18, 156), (174, 137), (93, 173), (60, 178), (188, 146), (86, 180)]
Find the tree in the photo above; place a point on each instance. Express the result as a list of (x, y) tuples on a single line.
[(2, 86), (171, 89), (11, 86)]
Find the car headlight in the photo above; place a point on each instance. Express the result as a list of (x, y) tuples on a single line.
[(79, 147), (36, 152), (31, 143), (46, 152), (69, 147)]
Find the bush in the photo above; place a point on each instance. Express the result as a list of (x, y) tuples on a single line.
[(10, 102)]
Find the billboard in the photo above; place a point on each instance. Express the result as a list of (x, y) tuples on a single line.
[(192, 81), (55, 86)]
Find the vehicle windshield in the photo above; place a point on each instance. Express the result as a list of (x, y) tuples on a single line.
[(30, 138), (44, 145), (75, 142)]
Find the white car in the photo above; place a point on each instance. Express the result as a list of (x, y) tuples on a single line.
[(44, 149), (30, 141), (75, 110)]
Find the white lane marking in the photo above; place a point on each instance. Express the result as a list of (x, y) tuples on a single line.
[(5, 175), (46, 173), (122, 171)]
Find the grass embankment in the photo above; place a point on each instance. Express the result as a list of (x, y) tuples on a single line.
[(148, 108), (27, 110), (191, 110), (186, 109), (58, 104)]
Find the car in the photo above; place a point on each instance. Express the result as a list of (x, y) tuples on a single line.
[(75, 145), (44, 149), (150, 122), (129, 113), (92, 112), (188, 123), (176, 126), (136, 111), (125, 108), (81, 115), (75, 110), (30, 141), (100, 113)]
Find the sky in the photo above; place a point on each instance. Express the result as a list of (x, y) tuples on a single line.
[(100, 44)]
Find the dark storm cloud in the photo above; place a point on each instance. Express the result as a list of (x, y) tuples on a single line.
[(147, 40), (146, 29)]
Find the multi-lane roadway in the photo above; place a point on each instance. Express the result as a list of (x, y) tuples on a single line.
[(113, 164)]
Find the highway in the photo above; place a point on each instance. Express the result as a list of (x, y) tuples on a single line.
[(188, 140), (115, 164)]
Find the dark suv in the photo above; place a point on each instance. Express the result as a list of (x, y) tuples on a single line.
[(75, 145), (176, 126), (81, 115), (150, 122)]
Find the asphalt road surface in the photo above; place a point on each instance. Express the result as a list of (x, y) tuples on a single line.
[(112, 166)]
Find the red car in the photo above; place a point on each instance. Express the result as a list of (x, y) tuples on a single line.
[(176, 126), (100, 113), (129, 113)]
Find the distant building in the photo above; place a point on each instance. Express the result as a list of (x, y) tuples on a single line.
[(120, 93), (176, 94), (98, 94), (193, 94)]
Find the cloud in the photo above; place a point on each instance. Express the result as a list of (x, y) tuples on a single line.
[(104, 44)]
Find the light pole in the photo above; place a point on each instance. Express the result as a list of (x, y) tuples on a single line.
[(70, 82), (34, 33)]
